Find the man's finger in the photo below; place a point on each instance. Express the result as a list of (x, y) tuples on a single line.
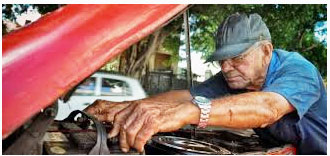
[(122, 140), (101, 117), (92, 109), (119, 120), (97, 107), (112, 111), (110, 117), (133, 123), (145, 134)]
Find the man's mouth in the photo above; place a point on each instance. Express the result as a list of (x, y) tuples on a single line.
[(233, 79)]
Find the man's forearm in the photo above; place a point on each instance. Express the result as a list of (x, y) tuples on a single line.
[(248, 110)]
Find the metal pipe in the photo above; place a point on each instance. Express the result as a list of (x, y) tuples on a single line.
[(187, 40), (189, 73)]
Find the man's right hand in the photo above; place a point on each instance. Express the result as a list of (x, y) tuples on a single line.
[(135, 122)]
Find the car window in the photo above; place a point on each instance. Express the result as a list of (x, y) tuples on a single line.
[(115, 87), (87, 88)]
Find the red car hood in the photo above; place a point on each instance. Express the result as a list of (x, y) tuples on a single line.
[(48, 57)]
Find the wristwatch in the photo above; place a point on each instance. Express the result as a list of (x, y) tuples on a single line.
[(204, 105)]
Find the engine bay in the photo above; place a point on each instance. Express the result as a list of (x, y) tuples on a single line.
[(82, 134), (80, 137)]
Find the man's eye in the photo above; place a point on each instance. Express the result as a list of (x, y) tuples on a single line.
[(239, 58)]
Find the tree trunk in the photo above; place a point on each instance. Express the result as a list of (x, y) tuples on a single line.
[(134, 62)]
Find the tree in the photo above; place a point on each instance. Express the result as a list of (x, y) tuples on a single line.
[(134, 61)]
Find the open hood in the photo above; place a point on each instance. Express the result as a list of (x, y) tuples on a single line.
[(45, 59)]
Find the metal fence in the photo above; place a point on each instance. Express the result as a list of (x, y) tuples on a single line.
[(159, 82)]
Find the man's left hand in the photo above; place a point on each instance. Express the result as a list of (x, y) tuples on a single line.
[(141, 119)]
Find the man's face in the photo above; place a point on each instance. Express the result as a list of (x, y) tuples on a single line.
[(246, 71)]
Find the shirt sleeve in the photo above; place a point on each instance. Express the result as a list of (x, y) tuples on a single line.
[(298, 83), (214, 87)]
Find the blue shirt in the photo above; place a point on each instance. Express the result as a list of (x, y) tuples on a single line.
[(296, 79)]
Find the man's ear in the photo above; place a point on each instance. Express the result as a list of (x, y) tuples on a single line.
[(267, 49)]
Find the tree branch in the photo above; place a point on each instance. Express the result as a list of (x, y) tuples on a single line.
[(151, 48), (310, 47)]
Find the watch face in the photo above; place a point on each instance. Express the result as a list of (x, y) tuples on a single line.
[(201, 99)]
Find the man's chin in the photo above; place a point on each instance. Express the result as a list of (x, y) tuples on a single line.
[(236, 86)]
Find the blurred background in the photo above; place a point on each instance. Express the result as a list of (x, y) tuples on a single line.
[(159, 61)]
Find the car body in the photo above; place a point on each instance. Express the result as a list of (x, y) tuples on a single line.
[(104, 86), (47, 58)]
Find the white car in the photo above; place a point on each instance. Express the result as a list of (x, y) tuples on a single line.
[(103, 86)]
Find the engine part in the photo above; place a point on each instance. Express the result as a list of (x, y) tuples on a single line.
[(186, 146)]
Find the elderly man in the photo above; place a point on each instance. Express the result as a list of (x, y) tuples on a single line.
[(278, 93)]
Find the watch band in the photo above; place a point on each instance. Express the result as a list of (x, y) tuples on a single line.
[(204, 105)]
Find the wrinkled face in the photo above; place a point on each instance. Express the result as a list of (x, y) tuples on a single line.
[(247, 71)]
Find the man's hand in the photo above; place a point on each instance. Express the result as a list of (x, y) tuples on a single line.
[(105, 110), (137, 121)]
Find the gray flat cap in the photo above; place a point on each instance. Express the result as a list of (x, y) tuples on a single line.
[(236, 34)]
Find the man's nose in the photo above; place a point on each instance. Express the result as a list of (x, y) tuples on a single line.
[(226, 66)]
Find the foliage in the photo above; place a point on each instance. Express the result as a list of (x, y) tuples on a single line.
[(292, 27), (172, 44), (172, 41), (11, 11), (111, 66)]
